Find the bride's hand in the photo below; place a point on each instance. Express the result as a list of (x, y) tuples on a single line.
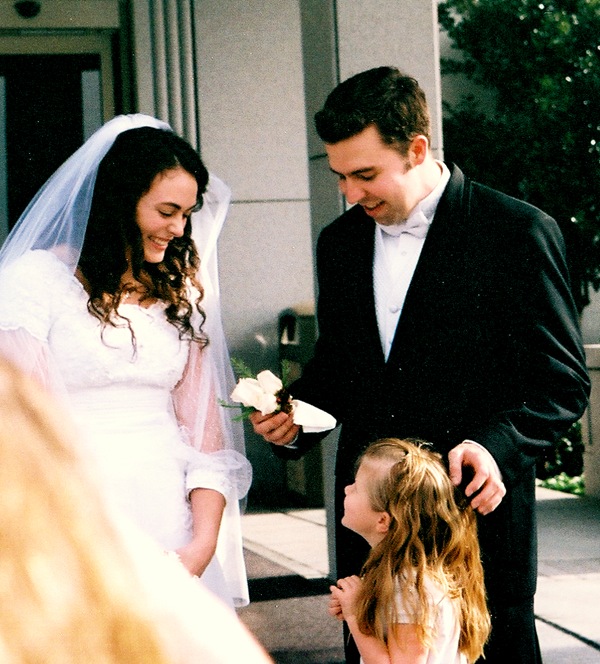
[(276, 428), (195, 556), (207, 512)]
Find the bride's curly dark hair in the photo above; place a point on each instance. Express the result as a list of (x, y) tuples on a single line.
[(125, 174)]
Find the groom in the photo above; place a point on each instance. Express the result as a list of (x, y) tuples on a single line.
[(444, 314)]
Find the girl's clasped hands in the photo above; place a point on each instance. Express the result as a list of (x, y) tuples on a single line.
[(343, 597)]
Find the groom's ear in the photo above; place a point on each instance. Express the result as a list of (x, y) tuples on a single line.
[(383, 522)]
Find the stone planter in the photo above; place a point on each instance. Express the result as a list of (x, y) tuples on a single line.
[(591, 425)]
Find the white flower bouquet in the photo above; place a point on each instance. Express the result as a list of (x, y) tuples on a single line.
[(267, 393)]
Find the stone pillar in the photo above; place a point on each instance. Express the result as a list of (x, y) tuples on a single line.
[(591, 425), (165, 75)]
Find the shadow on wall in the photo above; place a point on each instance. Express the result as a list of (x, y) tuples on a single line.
[(277, 483), (268, 484)]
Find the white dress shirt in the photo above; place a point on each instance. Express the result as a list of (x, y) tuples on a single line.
[(397, 251)]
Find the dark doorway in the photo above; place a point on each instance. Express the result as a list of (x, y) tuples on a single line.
[(44, 119)]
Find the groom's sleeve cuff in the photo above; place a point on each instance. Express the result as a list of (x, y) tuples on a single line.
[(474, 442), (292, 444)]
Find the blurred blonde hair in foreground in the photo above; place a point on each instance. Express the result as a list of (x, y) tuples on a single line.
[(74, 586)]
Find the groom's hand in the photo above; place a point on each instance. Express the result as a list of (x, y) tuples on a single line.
[(484, 486), (276, 428)]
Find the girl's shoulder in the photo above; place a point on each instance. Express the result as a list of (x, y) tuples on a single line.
[(407, 593)]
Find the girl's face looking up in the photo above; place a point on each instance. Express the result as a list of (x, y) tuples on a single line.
[(163, 211), (359, 515)]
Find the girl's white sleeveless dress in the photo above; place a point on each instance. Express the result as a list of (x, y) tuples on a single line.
[(118, 388)]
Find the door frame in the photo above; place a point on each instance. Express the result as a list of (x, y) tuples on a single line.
[(99, 43)]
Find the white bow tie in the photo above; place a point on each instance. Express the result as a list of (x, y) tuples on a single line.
[(417, 225)]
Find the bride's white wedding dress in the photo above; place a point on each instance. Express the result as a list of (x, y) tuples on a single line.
[(119, 390)]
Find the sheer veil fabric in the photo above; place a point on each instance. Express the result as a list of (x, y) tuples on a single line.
[(56, 221)]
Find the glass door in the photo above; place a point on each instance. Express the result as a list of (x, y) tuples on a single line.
[(53, 96)]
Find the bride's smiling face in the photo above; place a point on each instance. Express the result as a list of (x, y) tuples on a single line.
[(164, 210)]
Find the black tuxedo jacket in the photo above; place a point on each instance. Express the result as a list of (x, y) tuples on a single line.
[(487, 348)]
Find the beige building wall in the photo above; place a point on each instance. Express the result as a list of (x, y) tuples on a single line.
[(253, 135)]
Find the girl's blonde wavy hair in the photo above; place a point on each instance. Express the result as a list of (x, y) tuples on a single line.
[(68, 592), (432, 534)]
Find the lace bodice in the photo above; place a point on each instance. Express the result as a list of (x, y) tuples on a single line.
[(40, 294), (121, 395)]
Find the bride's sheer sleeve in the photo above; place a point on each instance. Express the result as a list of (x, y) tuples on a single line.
[(223, 465), (26, 305), (32, 356), (207, 381), (214, 462)]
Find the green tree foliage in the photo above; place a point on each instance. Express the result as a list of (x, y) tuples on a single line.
[(566, 456), (541, 143)]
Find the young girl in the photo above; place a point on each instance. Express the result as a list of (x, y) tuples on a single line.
[(421, 597)]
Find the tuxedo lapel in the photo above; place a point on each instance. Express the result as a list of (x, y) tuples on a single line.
[(434, 270), (362, 266)]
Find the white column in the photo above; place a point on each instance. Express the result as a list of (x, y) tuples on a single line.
[(165, 67), (143, 60), (159, 56), (189, 97), (253, 136)]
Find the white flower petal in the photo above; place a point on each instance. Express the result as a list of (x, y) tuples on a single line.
[(269, 382), (248, 392), (268, 404)]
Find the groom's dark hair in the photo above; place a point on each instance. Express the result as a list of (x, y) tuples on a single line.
[(384, 97)]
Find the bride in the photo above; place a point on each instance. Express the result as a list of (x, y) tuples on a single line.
[(109, 297)]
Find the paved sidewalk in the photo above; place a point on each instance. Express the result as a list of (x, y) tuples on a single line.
[(286, 555), (568, 597)]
